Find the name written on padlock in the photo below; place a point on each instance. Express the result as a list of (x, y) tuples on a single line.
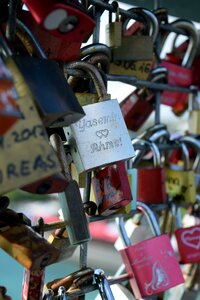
[(25, 153), (101, 137)]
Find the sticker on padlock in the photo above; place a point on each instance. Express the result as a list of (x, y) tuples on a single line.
[(180, 180), (60, 27), (135, 55), (26, 154), (111, 188), (181, 74), (9, 111), (151, 264), (151, 180), (101, 137)]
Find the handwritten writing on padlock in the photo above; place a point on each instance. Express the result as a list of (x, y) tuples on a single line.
[(102, 133), (188, 240)]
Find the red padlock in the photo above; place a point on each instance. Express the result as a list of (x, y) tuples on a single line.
[(188, 241), (180, 74), (151, 180), (138, 106), (9, 111), (152, 264), (59, 26), (111, 188)]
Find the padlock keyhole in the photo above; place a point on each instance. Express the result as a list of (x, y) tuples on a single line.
[(68, 24), (43, 188)]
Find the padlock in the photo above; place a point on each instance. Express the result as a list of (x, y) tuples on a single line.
[(26, 246), (111, 188), (60, 240), (71, 202), (113, 32), (9, 111), (26, 155), (60, 27), (152, 264), (101, 137), (194, 113), (103, 285), (181, 74), (188, 241), (151, 180), (135, 56), (57, 100), (138, 106), (32, 285), (180, 179)]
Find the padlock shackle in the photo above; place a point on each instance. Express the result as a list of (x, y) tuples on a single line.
[(146, 210), (149, 17), (186, 157), (103, 285), (155, 132), (195, 144), (156, 153), (27, 33), (116, 8), (93, 49), (94, 74)]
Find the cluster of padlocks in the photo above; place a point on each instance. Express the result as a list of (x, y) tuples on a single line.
[(62, 133)]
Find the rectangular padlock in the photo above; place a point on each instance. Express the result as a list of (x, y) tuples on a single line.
[(32, 284), (100, 138), (28, 247), (59, 27), (26, 155), (152, 264), (188, 240), (111, 188)]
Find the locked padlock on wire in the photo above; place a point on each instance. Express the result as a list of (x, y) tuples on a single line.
[(151, 264)]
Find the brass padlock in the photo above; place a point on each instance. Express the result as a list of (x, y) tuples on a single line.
[(136, 54), (25, 155), (114, 29), (59, 239), (194, 113), (101, 137)]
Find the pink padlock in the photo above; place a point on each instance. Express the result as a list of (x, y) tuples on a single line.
[(152, 264)]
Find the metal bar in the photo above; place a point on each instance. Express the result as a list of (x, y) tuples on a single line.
[(131, 15), (136, 82), (149, 84)]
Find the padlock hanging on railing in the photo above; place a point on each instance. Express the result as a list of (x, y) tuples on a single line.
[(111, 188), (136, 54), (60, 27), (57, 100), (101, 137), (113, 30), (152, 264), (151, 180), (187, 239), (180, 74), (27, 155), (180, 179)]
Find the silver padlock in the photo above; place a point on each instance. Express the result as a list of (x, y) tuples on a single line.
[(101, 137), (62, 293)]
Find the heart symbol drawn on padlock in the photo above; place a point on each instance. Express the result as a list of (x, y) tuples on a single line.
[(59, 18), (191, 238), (102, 133)]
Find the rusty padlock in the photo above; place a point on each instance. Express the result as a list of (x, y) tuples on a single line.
[(111, 188), (151, 264)]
